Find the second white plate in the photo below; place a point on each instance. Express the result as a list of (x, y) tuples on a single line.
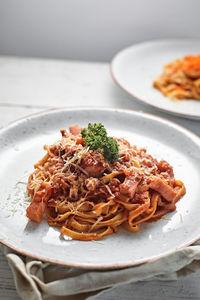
[(134, 69)]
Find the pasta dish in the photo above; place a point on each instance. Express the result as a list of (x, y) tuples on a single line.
[(181, 79), (89, 184)]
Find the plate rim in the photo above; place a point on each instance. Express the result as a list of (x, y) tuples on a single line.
[(109, 109), (138, 99)]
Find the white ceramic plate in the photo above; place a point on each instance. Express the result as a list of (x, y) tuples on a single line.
[(22, 145), (134, 69)]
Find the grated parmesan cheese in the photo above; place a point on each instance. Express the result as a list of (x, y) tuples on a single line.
[(77, 156), (109, 190), (97, 221)]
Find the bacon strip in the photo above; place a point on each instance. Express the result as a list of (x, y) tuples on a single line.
[(163, 188), (94, 164), (75, 130), (38, 205), (129, 186)]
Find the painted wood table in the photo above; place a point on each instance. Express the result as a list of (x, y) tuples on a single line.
[(32, 85)]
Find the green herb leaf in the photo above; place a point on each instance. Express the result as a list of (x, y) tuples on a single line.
[(95, 137)]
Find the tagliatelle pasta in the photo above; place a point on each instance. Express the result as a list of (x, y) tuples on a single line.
[(89, 197), (181, 79)]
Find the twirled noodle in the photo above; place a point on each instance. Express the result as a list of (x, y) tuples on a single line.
[(89, 198), (181, 79)]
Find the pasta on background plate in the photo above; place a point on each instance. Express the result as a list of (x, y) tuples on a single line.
[(89, 184), (180, 79)]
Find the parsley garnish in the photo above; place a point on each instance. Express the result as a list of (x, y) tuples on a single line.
[(95, 137)]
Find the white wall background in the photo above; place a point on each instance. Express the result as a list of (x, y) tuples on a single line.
[(92, 30)]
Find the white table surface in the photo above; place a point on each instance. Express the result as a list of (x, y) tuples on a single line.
[(32, 85)]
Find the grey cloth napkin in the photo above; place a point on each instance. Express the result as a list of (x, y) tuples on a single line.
[(36, 280)]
